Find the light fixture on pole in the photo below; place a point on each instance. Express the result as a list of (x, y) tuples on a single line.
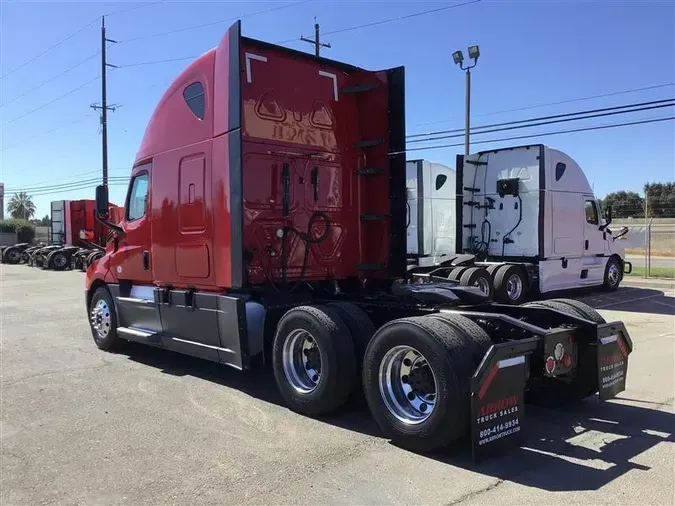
[(458, 58)]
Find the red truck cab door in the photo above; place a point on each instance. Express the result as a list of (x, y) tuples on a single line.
[(131, 262)]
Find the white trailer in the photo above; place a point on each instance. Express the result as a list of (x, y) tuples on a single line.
[(526, 222)]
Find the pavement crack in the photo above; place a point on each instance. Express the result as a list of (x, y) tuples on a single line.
[(471, 495)]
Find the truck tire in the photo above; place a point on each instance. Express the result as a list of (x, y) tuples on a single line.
[(613, 274), (313, 359), (551, 392), (492, 269), (476, 338), (582, 309), (416, 379), (11, 256), (456, 273), (360, 326), (510, 284), (479, 277), (58, 261), (103, 320)]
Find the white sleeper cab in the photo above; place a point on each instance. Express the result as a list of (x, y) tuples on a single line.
[(526, 223)]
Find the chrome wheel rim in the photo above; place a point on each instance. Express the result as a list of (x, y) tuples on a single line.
[(483, 285), (100, 319), (613, 275), (514, 287), (408, 385), (301, 358)]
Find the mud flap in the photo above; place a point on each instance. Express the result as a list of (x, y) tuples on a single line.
[(614, 346), (498, 398)]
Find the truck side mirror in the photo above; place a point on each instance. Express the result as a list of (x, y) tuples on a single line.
[(608, 215), (102, 202)]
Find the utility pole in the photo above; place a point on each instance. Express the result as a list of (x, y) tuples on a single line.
[(104, 108), (316, 42)]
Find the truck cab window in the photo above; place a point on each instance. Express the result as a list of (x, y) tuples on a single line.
[(440, 181), (194, 97), (591, 212), (138, 197)]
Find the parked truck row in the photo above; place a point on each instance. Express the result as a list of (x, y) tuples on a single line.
[(75, 238), (265, 224)]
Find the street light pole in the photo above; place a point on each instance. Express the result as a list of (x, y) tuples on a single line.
[(458, 57), (467, 113)]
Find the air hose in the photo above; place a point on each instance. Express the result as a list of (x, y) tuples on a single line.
[(307, 238)]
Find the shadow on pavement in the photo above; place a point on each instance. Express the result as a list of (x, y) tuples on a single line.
[(259, 384), (581, 447), (632, 299), (578, 448)]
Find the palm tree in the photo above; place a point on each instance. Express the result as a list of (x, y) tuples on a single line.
[(21, 206)]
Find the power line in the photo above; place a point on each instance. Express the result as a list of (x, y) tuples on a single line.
[(212, 23), (73, 34), (154, 62), (541, 118), (545, 134), (136, 7), (530, 123), (79, 174), (580, 99), (51, 79), (63, 186), (50, 48), (51, 101), (390, 20), (340, 30), (58, 127), (53, 192)]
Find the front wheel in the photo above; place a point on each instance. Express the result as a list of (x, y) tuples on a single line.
[(103, 320), (613, 274)]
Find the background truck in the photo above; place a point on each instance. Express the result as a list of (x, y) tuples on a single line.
[(265, 222), (526, 223), (75, 237)]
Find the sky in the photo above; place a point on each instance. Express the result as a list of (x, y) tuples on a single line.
[(532, 52)]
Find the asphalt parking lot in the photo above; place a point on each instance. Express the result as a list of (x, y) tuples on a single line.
[(80, 426)]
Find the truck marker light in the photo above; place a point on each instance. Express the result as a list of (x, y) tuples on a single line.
[(550, 365), (558, 351), (567, 360)]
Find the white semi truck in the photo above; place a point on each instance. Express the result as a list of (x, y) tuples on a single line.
[(524, 222)]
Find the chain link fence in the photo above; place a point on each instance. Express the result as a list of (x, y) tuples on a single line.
[(649, 244)]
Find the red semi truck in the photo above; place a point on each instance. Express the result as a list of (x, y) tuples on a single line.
[(265, 222)]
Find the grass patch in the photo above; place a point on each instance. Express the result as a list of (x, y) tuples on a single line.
[(654, 272)]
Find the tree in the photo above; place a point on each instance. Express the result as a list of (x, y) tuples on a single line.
[(624, 204), (42, 222), (21, 206), (660, 199)]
